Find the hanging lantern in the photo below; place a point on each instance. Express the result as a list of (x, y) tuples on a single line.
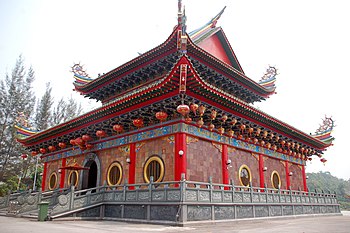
[(231, 133), (200, 123), (211, 126), (24, 156), (62, 145), (118, 128), (293, 145), (234, 121), (188, 120), (274, 147), (310, 159), (221, 130), (242, 128), (240, 137), (201, 110), (89, 146), (250, 131), (52, 148), (268, 145), (86, 137), (34, 153), (255, 140), (262, 143), (258, 130), (79, 141), (161, 116), (323, 160), (213, 114), (138, 122), (277, 138), (288, 145), (100, 134), (72, 141), (294, 153), (194, 108), (265, 134), (183, 109), (283, 142), (42, 150), (224, 118)]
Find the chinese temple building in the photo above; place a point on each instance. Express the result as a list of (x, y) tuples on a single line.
[(180, 112)]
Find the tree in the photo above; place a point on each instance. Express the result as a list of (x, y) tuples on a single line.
[(43, 110), (65, 111), (16, 97)]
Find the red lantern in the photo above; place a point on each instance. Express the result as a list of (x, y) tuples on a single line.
[(283, 142), (89, 146), (86, 137), (200, 123), (201, 110), (161, 116), (262, 143), (233, 122), (221, 130), (79, 141), (243, 128), (231, 133), (188, 120), (52, 148), (240, 137), (250, 130), (62, 145), (255, 140), (72, 141), (42, 150), (194, 108), (183, 109), (265, 134), (34, 153), (258, 130), (213, 114), (211, 126), (224, 118), (274, 147), (24, 156), (268, 145), (118, 128), (138, 122), (100, 133)]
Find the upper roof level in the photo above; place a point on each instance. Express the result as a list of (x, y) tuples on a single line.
[(207, 47)]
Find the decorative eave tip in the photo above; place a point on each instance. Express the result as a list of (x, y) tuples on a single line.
[(23, 129), (323, 133), (268, 80), (81, 77)]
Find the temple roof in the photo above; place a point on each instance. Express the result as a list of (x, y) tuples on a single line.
[(174, 73)]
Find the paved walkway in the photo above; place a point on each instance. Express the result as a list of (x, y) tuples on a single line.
[(326, 224)]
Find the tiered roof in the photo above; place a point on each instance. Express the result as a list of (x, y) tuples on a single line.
[(183, 69)]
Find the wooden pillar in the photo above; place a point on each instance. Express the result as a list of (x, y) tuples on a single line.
[(63, 173), (287, 174), (304, 178), (261, 171), (224, 159), (180, 155), (43, 179), (132, 164)]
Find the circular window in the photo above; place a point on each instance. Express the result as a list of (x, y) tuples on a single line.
[(275, 180), (114, 174), (154, 166), (73, 178), (245, 175), (53, 181)]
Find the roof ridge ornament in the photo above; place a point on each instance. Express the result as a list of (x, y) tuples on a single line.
[(181, 34), (269, 78), (323, 133), (211, 24), (80, 75), (23, 128)]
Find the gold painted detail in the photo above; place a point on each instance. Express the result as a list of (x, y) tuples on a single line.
[(217, 146), (139, 146), (275, 180), (73, 178), (154, 166), (53, 181), (190, 139), (256, 156), (244, 175), (114, 174)]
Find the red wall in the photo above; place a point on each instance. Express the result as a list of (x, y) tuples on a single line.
[(214, 47)]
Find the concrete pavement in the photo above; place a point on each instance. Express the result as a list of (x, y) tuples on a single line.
[(326, 224)]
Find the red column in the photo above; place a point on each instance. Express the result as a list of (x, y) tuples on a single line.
[(132, 164), (287, 174), (224, 158), (261, 171), (304, 178), (180, 155), (63, 174), (43, 179)]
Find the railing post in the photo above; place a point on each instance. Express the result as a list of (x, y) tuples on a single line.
[(251, 192), (211, 188), (71, 203), (233, 190), (150, 187), (182, 187)]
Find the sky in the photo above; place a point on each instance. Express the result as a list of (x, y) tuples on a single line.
[(307, 41)]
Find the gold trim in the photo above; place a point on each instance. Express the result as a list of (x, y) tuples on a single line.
[(190, 140), (160, 162), (239, 174), (279, 179), (56, 178), (119, 166), (70, 176), (218, 146)]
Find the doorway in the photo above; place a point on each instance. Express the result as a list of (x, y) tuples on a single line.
[(90, 176)]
